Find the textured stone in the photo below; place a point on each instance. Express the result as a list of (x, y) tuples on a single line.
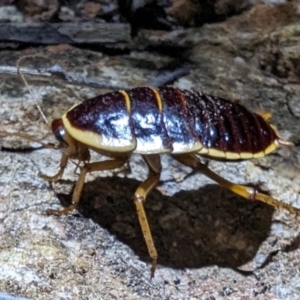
[(207, 238)]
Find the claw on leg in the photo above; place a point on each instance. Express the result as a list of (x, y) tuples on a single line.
[(60, 212)]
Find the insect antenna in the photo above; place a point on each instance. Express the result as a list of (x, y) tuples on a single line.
[(27, 85), (22, 135)]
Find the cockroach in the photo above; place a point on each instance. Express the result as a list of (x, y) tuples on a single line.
[(150, 121)]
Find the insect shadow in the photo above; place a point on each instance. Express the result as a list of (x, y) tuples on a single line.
[(191, 229)]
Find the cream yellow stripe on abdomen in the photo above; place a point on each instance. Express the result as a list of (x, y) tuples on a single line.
[(158, 99), (127, 100)]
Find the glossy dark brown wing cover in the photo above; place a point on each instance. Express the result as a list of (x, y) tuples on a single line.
[(168, 119)]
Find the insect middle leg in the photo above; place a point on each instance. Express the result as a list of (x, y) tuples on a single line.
[(248, 193), (140, 195), (87, 168)]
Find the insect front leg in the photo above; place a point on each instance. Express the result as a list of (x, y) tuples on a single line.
[(62, 166), (140, 195), (248, 193), (87, 168)]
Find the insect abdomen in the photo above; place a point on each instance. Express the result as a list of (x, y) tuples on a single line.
[(228, 130), (148, 120)]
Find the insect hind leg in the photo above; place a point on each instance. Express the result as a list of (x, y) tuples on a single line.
[(248, 193)]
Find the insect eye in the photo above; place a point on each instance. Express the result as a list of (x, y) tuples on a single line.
[(58, 130), (59, 134)]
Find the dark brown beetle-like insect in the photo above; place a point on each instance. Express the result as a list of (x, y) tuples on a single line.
[(151, 121)]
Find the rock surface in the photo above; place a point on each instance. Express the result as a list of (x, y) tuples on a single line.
[(211, 243)]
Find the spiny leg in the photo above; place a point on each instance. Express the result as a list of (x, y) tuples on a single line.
[(87, 168), (140, 195), (249, 193)]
